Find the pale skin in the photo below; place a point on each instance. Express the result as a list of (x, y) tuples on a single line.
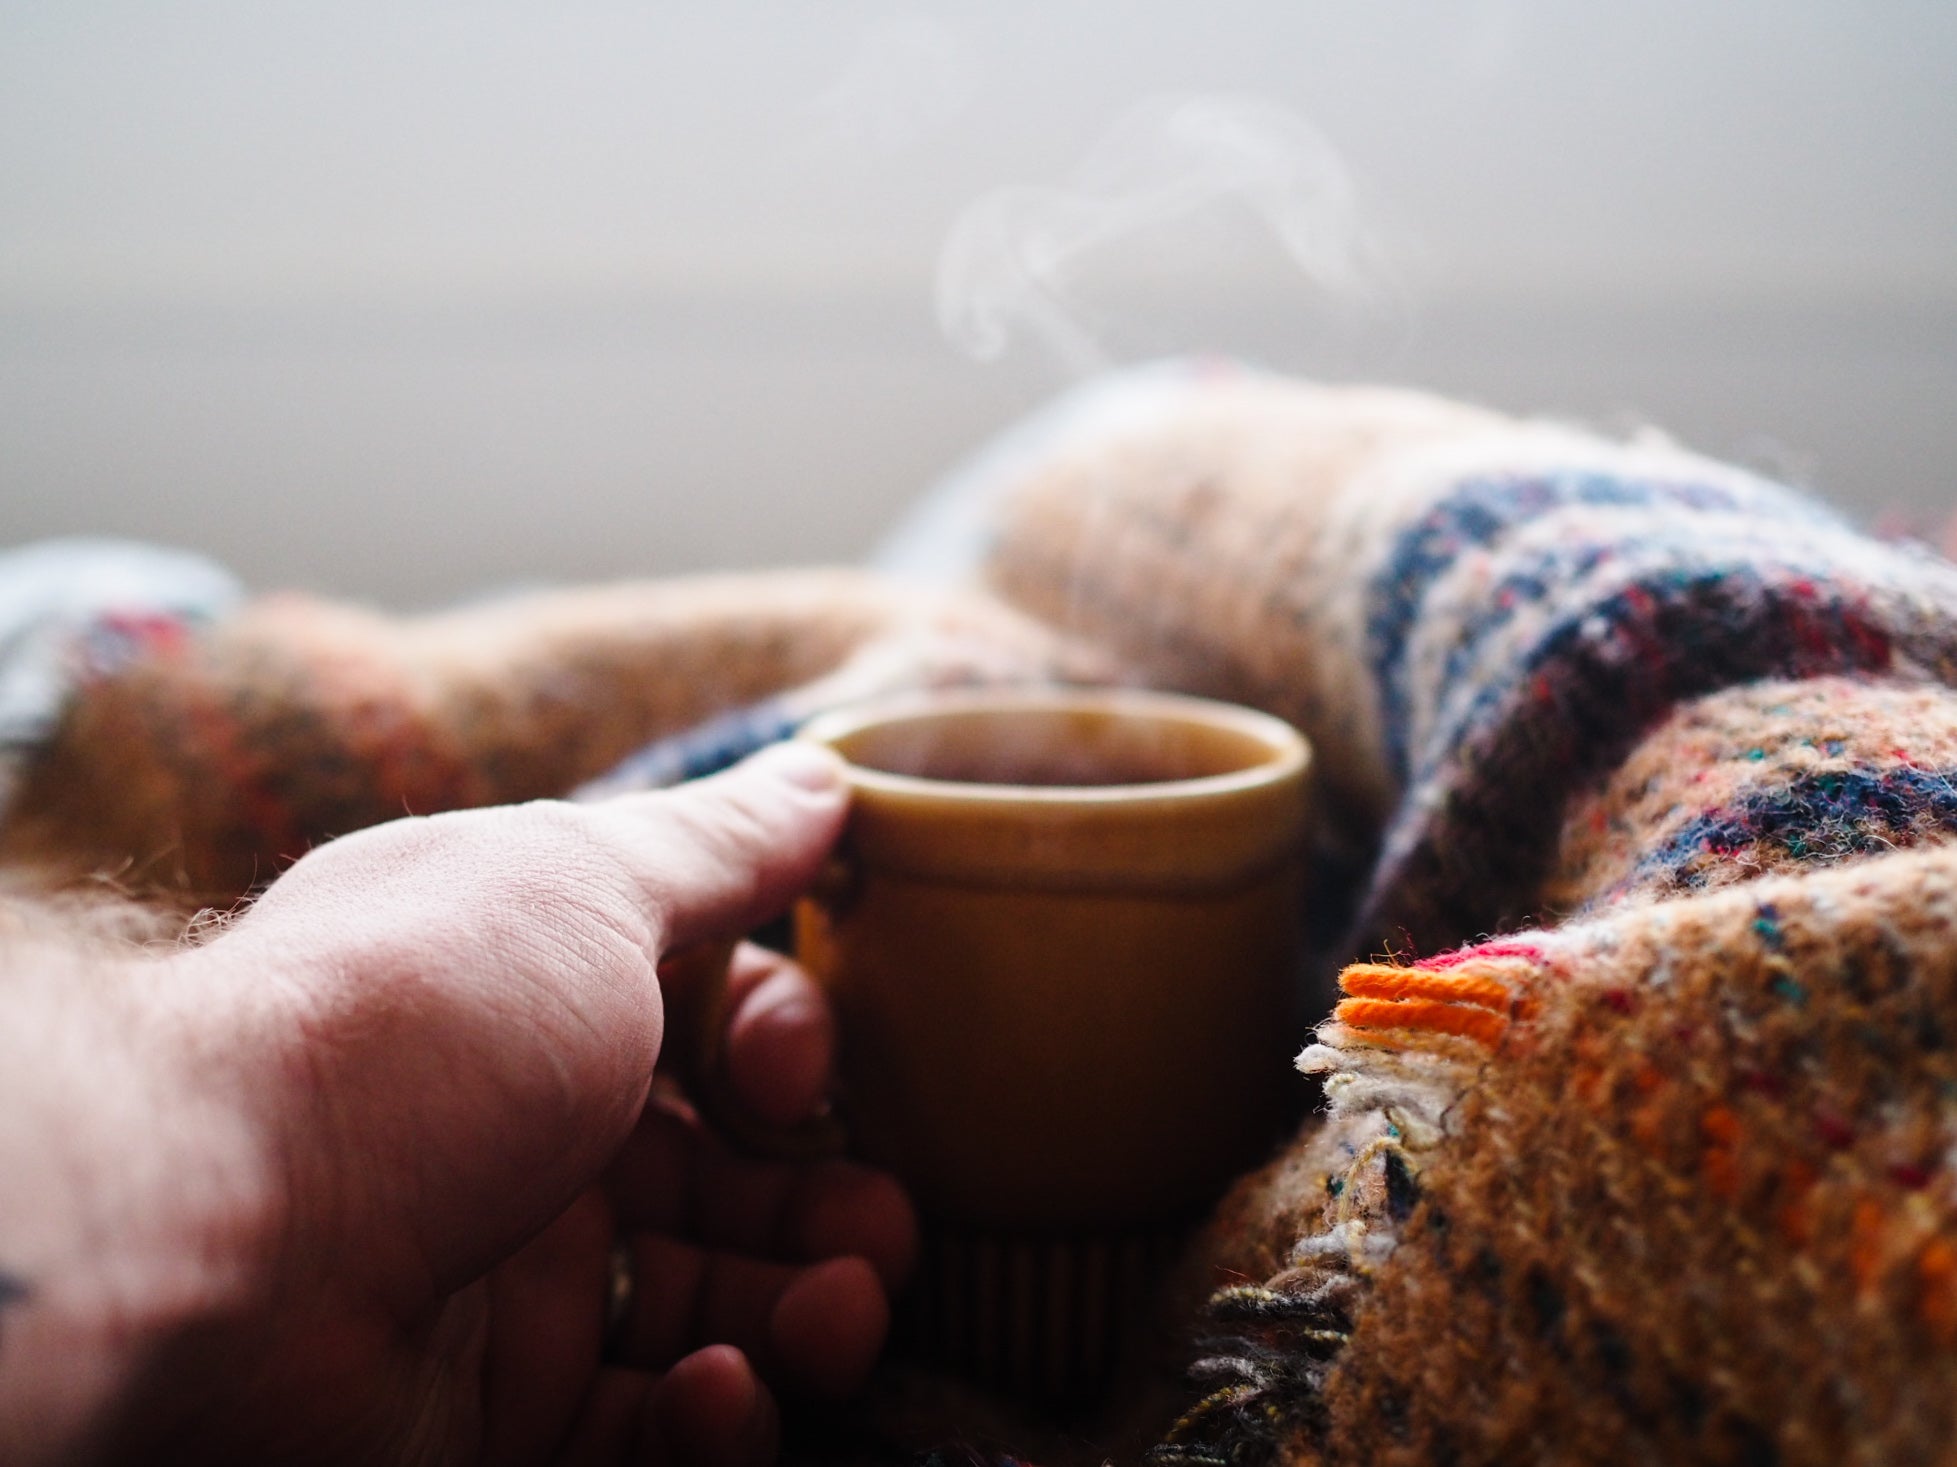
[(341, 1184)]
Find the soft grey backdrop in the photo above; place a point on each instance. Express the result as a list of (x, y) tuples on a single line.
[(405, 299)]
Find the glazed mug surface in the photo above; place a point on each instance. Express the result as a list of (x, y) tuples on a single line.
[(1062, 944)]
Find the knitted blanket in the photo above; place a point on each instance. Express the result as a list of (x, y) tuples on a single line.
[(1639, 1144), (1640, 1096)]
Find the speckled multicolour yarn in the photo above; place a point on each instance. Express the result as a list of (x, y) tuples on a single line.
[(1768, 778), (1667, 1189), (194, 768), (1474, 618), (1666, 1170)]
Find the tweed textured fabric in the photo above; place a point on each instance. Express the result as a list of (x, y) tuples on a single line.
[(195, 772), (71, 610), (1473, 618), (1662, 1170), (1671, 1188)]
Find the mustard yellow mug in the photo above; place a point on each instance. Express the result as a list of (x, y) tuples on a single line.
[(1062, 939)]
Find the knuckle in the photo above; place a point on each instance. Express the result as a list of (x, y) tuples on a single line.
[(527, 882)]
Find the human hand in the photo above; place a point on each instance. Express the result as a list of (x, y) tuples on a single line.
[(432, 1044)]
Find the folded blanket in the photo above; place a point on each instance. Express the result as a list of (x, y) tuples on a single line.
[(1641, 1125), (1641, 1093)]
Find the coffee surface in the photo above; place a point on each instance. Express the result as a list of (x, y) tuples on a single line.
[(1055, 751), (1059, 768)]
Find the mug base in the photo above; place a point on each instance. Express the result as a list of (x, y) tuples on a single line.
[(1038, 1317)]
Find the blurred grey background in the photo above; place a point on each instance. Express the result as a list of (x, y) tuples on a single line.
[(402, 300)]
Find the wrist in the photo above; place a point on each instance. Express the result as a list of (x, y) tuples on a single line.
[(142, 1212)]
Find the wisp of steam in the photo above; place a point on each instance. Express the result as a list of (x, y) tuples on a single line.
[(1013, 256), (910, 76)]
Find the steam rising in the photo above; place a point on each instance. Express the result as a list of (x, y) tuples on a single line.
[(909, 77), (1014, 256)]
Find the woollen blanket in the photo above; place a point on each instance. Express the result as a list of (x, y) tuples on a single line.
[(1640, 1075)]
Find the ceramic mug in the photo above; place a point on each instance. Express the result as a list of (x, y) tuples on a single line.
[(1062, 939)]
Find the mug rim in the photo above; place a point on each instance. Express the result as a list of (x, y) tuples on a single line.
[(1288, 754)]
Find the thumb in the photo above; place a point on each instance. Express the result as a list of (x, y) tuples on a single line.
[(719, 855)]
